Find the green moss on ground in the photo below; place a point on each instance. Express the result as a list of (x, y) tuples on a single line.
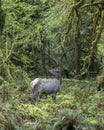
[(78, 105)]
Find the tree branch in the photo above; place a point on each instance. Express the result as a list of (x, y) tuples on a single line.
[(92, 4), (78, 4)]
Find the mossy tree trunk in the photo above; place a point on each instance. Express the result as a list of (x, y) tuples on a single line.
[(97, 27), (42, 53), (77, 44), (43, 58)]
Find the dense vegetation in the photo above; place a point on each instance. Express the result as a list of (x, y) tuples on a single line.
[(36, 35), (78, 106)]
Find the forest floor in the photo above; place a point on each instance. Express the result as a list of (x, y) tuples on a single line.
[(78, 107)]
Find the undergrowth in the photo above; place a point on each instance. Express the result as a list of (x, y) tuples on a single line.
[(78, 107)]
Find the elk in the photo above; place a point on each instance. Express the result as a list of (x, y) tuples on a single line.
[(46, 86)]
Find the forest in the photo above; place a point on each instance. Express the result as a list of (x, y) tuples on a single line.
[(51, 64)]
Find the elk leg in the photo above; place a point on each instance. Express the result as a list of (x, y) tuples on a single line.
[(34, 96), (54, 97)]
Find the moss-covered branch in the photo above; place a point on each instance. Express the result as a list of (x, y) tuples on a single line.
[(98, 35), (93, 4), (78, 4)]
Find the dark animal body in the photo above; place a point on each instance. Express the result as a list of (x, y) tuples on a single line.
[(46, 86)]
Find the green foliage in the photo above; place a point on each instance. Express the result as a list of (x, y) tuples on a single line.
[(17, 40), (101, 56), (55, 25), (67, 120), (30, 25), (1, 79), (77, 107)]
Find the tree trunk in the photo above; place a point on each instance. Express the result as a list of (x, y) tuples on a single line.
[(97, 29), (77, 45), (43, 58), (2, 19)]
